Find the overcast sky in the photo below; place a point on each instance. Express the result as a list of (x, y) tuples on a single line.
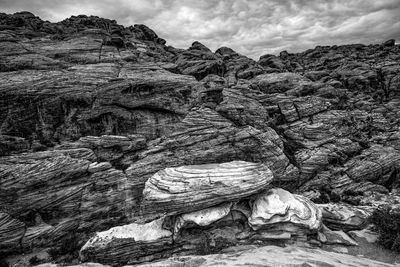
[(251, 27)]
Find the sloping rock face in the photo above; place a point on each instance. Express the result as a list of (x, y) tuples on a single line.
[(92, 111), (272, 256)]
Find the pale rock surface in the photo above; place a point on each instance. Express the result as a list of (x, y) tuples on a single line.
[(278, 206), (272, 256), (189, 188), (119, 244), (203, 217)]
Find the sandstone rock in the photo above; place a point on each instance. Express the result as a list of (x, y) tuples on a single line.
[(90, 110), (11, 233), (111, 148), (278, 208), (382, 200), (281, 82), (199, 61), (271, 61), (138, 240), (238, 66), (202, 217), (272, 256), (390, 42), (365, 234), (96, 167), (242, 106), (188, 188), (344, 217), (124, 104), (78, 198), (206, 137), (376, 164), (329, 237), (297, 108)]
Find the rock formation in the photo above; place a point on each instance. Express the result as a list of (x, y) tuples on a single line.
[(272, 256), (189, 188), (275, 214), (106, 131), (278, 207)]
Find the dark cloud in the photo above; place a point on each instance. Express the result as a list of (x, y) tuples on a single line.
[(251, 27)]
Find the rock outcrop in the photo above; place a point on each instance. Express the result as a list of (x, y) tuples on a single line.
[(141, 240), (278, 207), (270, 216), (188, 188), (272, 256), (105, 126)]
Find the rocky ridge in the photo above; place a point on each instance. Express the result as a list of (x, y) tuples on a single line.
[(103, 129)]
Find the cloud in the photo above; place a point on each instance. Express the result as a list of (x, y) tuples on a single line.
[(251, 27)]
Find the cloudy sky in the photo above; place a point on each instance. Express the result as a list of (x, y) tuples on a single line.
[(251, 27)]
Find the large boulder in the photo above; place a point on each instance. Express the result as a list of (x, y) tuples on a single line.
[(280, 210), (188, 188), (203, 137)]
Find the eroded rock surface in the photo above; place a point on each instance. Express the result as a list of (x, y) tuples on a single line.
[(272, 256), (138, 240), (271, 216), (187, 188), (278, 207), (91, 112)]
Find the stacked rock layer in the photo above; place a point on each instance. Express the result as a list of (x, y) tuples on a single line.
[(101, 124)]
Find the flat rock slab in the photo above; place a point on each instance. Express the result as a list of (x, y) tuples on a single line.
[(272, 256), (188, 188)]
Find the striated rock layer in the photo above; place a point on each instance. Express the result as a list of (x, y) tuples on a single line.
[(273, 215), (188, 188), (272, 256), (93, 113)]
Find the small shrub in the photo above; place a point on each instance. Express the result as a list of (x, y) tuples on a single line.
[(387, 222)]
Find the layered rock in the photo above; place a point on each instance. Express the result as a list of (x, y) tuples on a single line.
[(60, 192), (91, 111), (273, 256), (11, 233), (202, 217), (206, 137), (346, 217), (188, 188), (199, 61), (276, 215), (238, 66), (278, 208), (138, 241), (136, 101)]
